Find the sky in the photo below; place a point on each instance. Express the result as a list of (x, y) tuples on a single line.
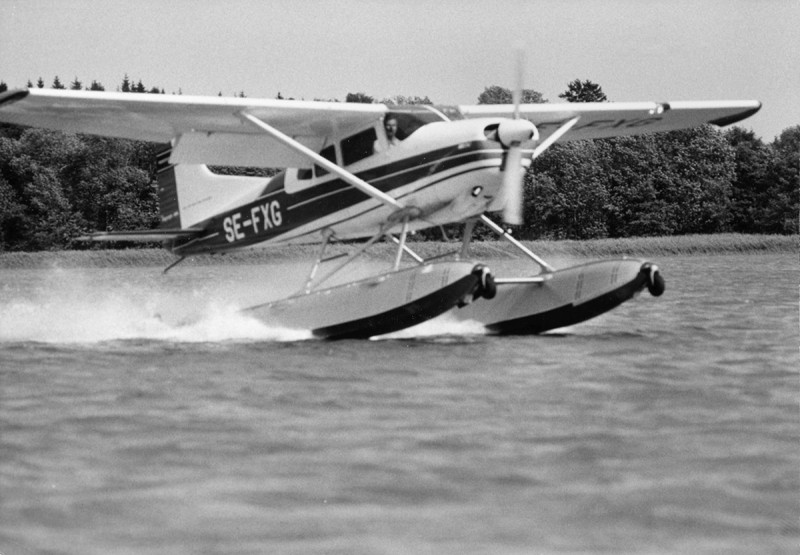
[(447, 50)]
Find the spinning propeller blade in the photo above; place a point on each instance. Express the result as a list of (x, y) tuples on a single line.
[(512, 186), (517, 132), (516, 94)]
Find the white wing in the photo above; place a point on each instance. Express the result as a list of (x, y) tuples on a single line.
[(207, 130), (598, 120)]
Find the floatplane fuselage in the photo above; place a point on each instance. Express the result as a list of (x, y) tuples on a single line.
[(441, 172)]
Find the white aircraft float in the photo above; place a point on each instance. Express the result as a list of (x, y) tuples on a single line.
[(356, 171)]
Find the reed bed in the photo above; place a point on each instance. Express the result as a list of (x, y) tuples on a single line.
[(727, 243)]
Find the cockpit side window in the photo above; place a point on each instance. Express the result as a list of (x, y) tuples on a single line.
[(359, 146), (409, 122), (329, 153)]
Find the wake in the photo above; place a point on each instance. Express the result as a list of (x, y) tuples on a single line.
[(91, 317), (78, 321), (77, 307)]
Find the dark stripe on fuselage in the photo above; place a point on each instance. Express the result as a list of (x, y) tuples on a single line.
[(300, 208), (401, 197), (387, 178)]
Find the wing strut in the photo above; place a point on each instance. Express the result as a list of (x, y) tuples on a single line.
[(555, 136), (356, 182)]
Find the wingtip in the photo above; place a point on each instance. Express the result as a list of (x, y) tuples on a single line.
[(12, 96), (739, 116)]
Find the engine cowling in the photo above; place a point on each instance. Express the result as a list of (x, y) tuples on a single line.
[(512, 132)]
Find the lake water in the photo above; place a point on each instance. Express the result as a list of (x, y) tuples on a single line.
[(139, 413)]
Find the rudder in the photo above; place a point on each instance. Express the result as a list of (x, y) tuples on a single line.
[(167, 191)]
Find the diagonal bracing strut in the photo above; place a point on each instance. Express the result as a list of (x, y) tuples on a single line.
[(332, 167)]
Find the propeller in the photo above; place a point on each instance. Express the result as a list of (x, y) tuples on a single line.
[(512, 133)]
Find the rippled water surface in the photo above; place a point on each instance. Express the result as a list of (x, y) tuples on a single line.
[(140, 413)]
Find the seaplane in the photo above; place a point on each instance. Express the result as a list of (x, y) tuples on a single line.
[(355, 174)]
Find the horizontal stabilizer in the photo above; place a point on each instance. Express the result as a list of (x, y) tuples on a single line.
[(144, 236)]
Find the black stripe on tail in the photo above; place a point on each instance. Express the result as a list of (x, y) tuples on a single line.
[(167, 191)]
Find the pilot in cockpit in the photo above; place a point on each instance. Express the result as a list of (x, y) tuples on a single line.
[(390, 126)]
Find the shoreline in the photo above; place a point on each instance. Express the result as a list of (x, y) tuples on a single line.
[(725, 243)]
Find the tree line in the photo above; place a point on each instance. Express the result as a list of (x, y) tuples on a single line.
[(55, 187)]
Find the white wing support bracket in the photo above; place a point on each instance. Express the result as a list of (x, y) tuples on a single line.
[(507, 236), (548, 142), (348, 177)]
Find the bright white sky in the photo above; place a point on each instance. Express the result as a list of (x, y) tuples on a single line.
[(448, 50)]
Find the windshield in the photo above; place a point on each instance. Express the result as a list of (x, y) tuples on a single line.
[(411, 118)]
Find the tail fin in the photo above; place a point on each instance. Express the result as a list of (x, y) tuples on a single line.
[(191, 193), (167, 191)]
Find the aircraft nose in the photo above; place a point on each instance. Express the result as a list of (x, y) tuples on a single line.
[(512, 132)]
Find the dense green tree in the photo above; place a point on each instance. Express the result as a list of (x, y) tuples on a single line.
[(109, 171), (636, 175), (359, 97), (669, 183), (3, 87), (658, 184), (55, 187), (10, 131), (399, 100), (500, 95), (566, 193), (40, 83), (12, 214), (96, 86), (57, 83), (583, 91), (29, 167), (784, 177), (750, 193), (703, 166), (76, 84)]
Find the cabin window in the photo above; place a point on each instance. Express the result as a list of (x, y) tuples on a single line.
[(329, 153), (358, 146)]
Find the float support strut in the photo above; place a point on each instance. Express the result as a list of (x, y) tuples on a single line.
[(507, 236)]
